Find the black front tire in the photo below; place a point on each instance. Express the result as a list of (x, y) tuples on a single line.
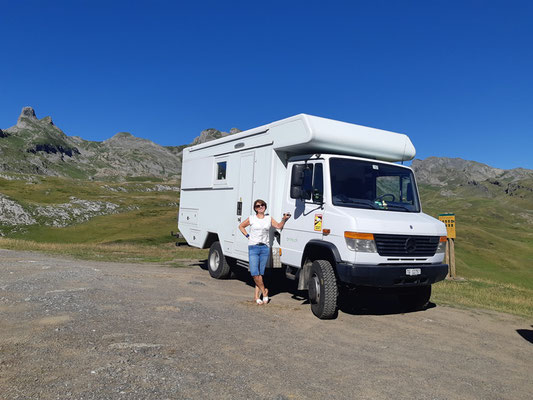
[(323, 291), (216, 262), (416, 298)]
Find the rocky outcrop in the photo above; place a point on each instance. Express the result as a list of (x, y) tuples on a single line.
[(51, 148), (47, 120), (208, 135), (74, 212), (212, 134), (12, 213), (58, 215), (26, 117)]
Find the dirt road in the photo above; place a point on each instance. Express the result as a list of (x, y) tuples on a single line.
[(73, 329)]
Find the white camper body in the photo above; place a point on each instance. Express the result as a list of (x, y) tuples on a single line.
[(352, 207)]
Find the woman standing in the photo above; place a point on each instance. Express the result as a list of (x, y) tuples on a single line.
[(258, 249)]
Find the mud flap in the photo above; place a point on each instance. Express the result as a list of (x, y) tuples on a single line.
[(303, 279)]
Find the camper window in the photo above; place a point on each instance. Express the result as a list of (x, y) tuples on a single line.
[(221, 171)]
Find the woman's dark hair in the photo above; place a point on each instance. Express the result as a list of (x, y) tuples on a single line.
[(259, 201)]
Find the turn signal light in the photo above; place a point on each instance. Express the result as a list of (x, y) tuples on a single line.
[(443, 238), (357, 235)]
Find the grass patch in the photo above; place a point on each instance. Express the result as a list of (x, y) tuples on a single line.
[(485, 294), (494, 237), (136, 227), (117, 252)]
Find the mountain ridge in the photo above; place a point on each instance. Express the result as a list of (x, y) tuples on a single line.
[(38, 146)]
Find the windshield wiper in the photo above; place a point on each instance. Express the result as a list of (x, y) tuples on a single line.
[(357, 203), (389, 206)]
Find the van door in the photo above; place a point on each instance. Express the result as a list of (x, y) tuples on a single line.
[(244, 202), (307, 214)]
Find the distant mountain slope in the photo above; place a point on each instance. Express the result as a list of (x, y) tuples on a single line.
[(458, 177), (442, 171), (37, 146)]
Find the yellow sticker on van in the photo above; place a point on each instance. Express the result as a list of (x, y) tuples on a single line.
[(318, 222)]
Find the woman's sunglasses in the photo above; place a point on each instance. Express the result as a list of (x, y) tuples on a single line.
[(259, 205)]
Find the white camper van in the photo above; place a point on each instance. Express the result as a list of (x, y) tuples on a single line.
[(356, 215)]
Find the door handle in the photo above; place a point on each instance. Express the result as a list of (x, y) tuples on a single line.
[(239, 219)]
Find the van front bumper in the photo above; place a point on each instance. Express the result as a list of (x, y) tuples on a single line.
[(391, 275)]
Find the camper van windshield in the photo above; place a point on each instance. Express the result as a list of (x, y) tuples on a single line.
[(372, 185)]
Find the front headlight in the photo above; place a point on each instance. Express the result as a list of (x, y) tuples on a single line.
[(360, 242), (441, 248)]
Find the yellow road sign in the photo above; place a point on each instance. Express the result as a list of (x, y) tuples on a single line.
[(449, 221)]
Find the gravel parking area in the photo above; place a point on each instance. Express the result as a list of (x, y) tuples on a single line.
[(72, 329)]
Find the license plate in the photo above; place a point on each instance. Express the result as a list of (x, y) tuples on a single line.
[(413, 271)]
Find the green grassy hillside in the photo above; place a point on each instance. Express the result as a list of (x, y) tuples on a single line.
[(139, 229), (494, 246), (494, 235)]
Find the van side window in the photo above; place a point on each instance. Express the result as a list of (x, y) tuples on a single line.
[(221, 170), (318, 184), (308, 181)]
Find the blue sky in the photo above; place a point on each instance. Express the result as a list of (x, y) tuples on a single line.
[(456, 76)]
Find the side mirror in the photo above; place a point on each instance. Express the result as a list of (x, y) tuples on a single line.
[(297, 175), (297, 180), (296, 192)]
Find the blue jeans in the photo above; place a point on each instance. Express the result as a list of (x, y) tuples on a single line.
[(258, 258)]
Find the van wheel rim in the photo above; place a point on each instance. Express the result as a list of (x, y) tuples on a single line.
[(214, 261)]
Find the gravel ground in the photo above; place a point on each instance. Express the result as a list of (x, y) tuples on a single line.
[(73, 329)]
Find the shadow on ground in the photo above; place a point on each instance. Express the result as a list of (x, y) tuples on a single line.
[(527, 334), (355, 302), (202, 264), (375, 302)]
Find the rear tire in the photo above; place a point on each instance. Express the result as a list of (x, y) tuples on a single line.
[(416, 298), (216, 263), (323, 291)]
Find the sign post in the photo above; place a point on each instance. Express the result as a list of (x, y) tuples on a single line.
[(449, 221)]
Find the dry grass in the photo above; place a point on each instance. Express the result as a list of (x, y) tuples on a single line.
[(481, 293)]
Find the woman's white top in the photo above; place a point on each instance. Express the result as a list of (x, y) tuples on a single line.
[(259, 229)]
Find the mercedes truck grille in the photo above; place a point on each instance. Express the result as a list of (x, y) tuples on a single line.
[(406, 245)]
